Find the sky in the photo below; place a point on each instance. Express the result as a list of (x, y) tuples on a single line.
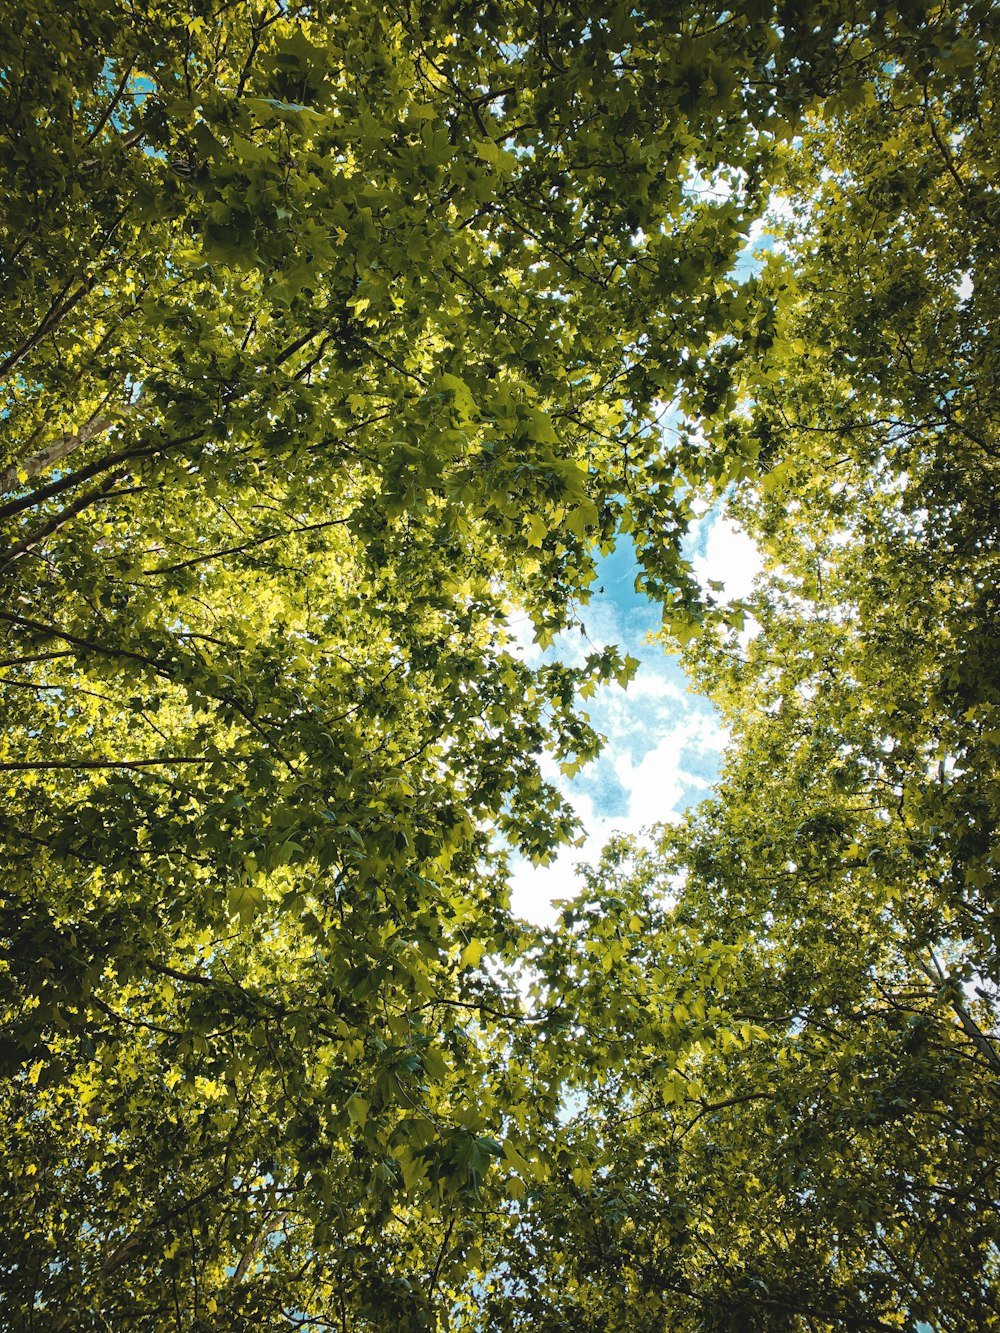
[(664, 741)]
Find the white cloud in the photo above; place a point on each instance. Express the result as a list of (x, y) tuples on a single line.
[(649, 685), (731, 557), (522, 638), (663, 742), (654, 785)]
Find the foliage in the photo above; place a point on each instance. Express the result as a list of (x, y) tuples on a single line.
[(789, 1057), (330, 337)]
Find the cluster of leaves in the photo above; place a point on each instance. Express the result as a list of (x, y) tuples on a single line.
[(331, 335), (788, 1096)]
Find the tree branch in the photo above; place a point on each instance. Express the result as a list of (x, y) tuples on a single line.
[(46, 458), (254, 1248)]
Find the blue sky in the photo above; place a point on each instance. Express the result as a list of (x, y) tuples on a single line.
[(664, 741)]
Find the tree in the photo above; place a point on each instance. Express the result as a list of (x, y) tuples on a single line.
[(330, 337), (786, 1012)]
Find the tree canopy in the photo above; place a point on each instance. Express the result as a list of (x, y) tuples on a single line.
[(331, 337), (787, 1067)]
